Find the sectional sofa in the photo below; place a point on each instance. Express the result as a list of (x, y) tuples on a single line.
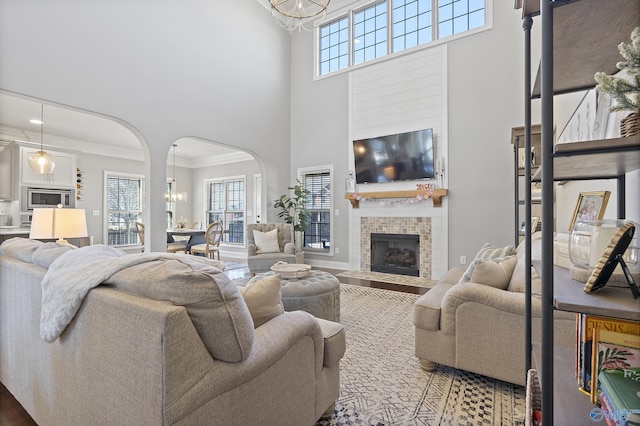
[(168, 339)]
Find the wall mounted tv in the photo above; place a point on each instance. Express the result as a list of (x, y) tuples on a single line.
[(403, 156)]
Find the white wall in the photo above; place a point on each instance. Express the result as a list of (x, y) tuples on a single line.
[(484, 101), (214, 70)]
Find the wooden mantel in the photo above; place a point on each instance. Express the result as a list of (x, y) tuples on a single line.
[(436, 195)]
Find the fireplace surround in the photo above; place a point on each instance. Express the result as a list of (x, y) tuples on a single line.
[(419, 226)]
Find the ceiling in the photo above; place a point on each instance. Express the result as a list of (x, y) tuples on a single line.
[(80, 131)]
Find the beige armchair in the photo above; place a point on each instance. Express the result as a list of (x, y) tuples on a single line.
[(479, 325), (264, 253)]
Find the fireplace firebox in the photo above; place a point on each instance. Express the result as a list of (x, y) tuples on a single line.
[(395, 254)]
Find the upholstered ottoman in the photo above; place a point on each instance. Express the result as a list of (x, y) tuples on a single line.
[(318, 293)]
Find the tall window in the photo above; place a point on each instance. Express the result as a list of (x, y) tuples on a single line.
[(317, 235), (390, 26), (370, 33), (124, 194), (226, 204)]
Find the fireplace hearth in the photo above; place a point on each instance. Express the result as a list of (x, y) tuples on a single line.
[(395, 254)]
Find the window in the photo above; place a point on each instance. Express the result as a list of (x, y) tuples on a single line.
[(370, 33), (334, 46), (411, 21), (317, 235), (391, 26), (226, 204), (124, 195), (456, 16)]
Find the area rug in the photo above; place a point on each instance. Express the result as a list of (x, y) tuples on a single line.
[(383, 384), (230, 265), (389, 278)]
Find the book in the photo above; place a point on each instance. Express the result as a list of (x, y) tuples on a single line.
[(610, 416), (612, 351), (590, 323), (623, 390)]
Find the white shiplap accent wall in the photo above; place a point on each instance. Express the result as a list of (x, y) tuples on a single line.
[(398, 95)]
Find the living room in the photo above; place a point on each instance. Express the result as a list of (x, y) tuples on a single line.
[(168, 73)]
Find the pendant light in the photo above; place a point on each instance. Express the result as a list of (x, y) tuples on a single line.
[(173, 195), (40, 161)]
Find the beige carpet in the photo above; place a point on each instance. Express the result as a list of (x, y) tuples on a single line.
[(389, 278), (382, 384)]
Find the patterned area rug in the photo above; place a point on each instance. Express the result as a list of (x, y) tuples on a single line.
[(389, 278), (383, 384)]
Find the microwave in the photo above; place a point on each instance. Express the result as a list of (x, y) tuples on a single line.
[(38, 198)]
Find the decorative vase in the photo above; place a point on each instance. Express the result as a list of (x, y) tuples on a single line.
[(630, 125), (350, 183), (589, 239)]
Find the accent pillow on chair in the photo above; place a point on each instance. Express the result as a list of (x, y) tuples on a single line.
[(266, 242), (262, 295), (493, 272), (488, 251)]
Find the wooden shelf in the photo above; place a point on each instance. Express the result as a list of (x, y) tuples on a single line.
[(609, 301), (598, 159), (436, 195), (586, 35)]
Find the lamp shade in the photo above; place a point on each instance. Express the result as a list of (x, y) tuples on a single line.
[(58, 223)]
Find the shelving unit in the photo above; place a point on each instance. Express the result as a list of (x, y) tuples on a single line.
[(579, 38)]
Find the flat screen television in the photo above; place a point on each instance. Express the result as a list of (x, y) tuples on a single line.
[(403, 156)]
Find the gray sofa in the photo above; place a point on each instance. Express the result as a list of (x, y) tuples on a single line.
[(128, 357), (480, 327)]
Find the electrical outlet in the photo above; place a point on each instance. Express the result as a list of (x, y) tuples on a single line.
[(337, 250), (463, 260)]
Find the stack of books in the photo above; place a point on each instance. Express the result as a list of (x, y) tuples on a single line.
[(608, 366)]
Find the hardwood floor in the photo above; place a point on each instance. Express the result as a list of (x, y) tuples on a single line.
[(12, 413)]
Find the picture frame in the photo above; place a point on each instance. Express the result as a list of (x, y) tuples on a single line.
[(534, 223), (590, 206)]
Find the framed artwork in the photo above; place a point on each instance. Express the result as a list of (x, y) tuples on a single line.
[(534, 223), (590, 206), (580, 126)]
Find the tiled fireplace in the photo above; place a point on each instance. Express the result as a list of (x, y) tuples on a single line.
[(419, 227)]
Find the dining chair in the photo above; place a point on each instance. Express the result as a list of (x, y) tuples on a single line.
[(140, 229), (213, 237), (196, 225), (172, 245)]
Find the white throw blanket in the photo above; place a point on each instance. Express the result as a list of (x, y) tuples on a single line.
[(74, 273)]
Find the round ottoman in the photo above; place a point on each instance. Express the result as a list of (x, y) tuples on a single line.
[(318, 293)]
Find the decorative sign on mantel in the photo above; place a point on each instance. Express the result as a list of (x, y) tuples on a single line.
[(424, 192)]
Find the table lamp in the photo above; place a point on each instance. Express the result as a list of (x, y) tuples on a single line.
[(58, 223)]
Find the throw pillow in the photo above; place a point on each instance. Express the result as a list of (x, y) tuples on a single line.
[(48, 252), (487, 251), (20, 248), (493, 272), (262, 296), (266, 242)]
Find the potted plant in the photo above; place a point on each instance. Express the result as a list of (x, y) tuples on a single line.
[(293, 209), (625, 90)]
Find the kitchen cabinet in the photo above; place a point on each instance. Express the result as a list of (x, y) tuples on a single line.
[(8, 182), (63, 176)]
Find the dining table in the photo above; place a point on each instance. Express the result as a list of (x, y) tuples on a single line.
[(196, 236)]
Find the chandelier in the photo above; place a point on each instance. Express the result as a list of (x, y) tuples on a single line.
[(40, 161), (298, 14), (173, 196)]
